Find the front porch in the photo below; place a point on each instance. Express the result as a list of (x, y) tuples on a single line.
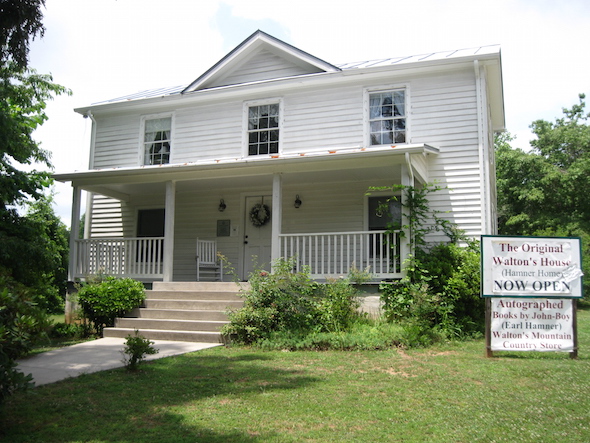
[(323, 254), (143, 222)]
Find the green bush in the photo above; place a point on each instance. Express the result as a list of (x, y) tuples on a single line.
[(22, 325), (442, 292), (337, 305), (290, 302), (103, 302), (69, 330), (136, 348)]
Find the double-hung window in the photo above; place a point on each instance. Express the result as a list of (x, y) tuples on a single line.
[(263, 129), (387, 117), (157, 141)]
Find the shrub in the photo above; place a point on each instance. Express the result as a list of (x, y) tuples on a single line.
[(442, 291), (136, 348), (68, 330), (290, 302), (22, 325), (103, 302), (337, 305)]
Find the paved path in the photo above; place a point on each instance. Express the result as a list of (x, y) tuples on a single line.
[(94, 356)]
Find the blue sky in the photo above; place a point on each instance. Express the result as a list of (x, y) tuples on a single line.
[(103, 49)]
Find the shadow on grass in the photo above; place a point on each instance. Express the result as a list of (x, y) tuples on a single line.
[(186, 398)]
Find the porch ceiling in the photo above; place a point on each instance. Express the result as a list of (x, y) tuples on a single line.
[(320, 167)]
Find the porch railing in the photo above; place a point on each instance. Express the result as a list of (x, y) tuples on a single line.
[(139, 257), (334, 254)]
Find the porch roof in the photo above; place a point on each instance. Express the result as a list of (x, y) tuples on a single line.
[(119, 182)]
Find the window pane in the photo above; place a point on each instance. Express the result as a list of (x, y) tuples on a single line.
[(274, 148), (386, 117), (260, 120), (158, 124)]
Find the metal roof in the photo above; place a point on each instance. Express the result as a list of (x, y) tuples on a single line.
[(434, 56)]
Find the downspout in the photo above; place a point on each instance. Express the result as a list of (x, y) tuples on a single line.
[(483, 159), (90, 196)]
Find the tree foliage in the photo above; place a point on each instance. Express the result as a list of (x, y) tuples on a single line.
[(32, 248), (545, 191), (20, 21), (548, 186), (32, 245)]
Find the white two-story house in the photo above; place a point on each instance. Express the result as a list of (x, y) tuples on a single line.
[(270, 154)]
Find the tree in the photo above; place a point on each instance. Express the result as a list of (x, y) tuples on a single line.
[(31, 252), (23, 97), (545, 191), (20, 21), (547, 187)]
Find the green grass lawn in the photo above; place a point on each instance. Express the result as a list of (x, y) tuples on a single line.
[(449, 393)]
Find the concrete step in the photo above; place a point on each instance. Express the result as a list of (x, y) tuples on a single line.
[(169, 324), (196, 305), (156, 334), (178, 314), (192, 295), (198, 286), (182, 311)]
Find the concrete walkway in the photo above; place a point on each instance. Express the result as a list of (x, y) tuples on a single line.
[(94, 356)]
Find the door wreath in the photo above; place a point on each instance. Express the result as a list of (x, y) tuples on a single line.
[(259, 214)]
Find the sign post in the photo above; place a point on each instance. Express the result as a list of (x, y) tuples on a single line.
[(531, 285)]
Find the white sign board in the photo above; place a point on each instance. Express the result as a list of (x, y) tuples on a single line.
[(531, 267), (532, 324)]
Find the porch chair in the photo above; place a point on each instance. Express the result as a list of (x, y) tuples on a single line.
[(209, 266)]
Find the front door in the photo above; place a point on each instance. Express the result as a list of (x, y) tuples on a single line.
[(257, 234)]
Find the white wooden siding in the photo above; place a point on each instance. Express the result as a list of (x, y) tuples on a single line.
[(330, 118), (209, 132), (264, 66), (117, 142), (106, 217)]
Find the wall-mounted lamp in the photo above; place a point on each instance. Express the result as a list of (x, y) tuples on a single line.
[(297, 203), (222, 205)]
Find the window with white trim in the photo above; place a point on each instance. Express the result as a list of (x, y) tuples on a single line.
[(157, 141), (387, 117), (263, 129)]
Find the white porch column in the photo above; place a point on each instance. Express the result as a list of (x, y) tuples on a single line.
[(74, 231), (277, 216), (169, 230), (405, 245)]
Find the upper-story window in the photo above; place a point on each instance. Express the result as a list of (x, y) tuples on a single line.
[(156, 141), (387, 117), (263, 128)]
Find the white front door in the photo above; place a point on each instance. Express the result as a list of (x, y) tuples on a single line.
[(257, 234)]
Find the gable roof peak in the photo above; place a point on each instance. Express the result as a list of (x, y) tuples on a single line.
[(257, 42)]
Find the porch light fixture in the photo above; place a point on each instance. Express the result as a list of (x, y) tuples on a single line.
[(297, 203), (222, 205)]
